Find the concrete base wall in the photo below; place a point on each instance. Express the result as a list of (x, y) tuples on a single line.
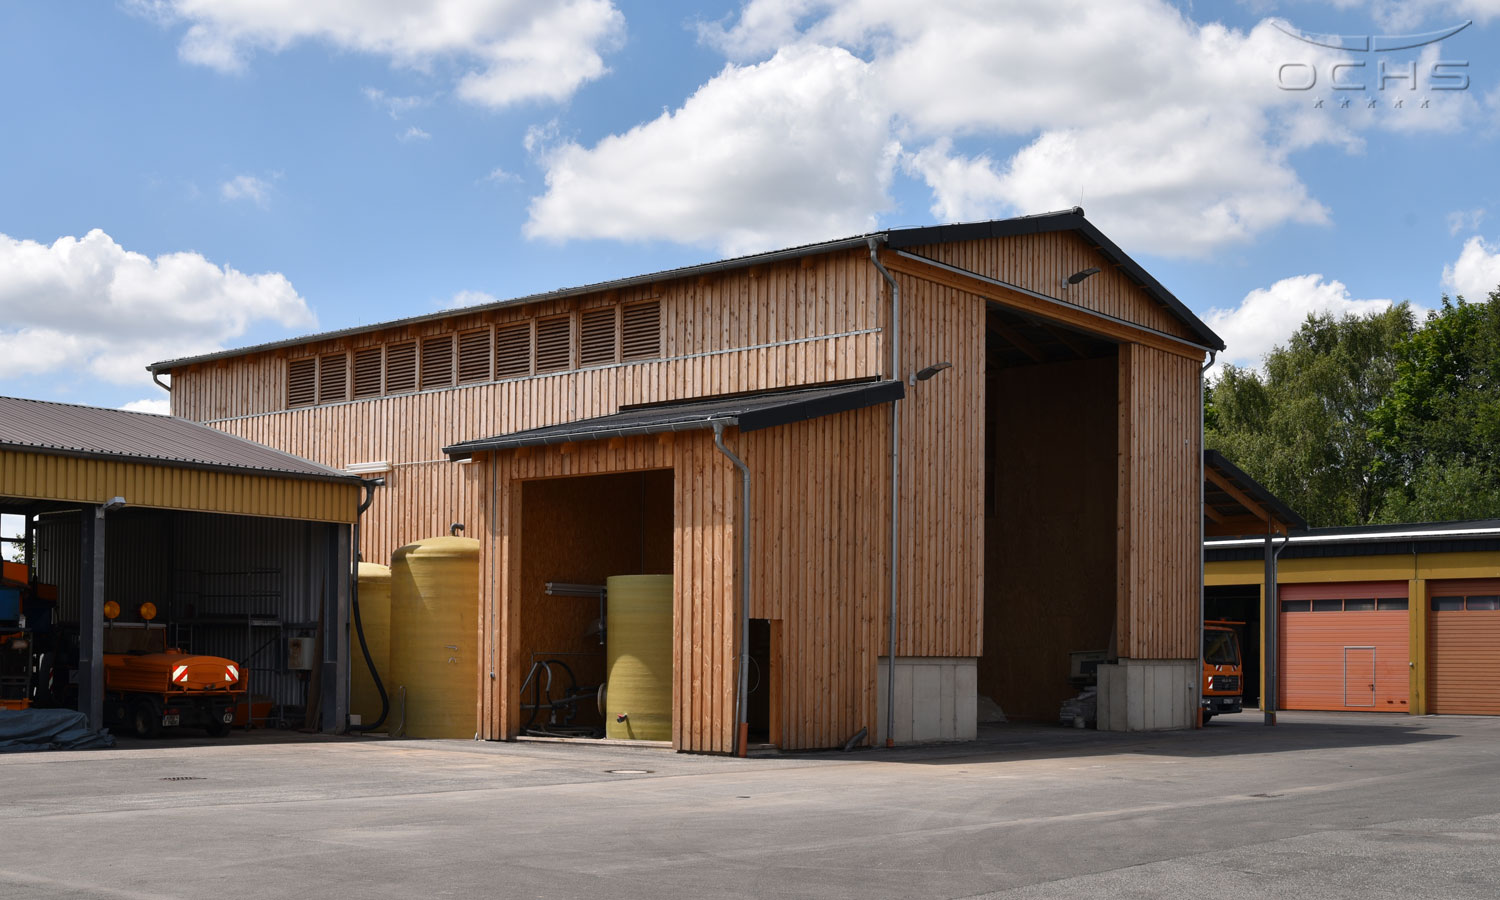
[(936, 699), (1148, 694)]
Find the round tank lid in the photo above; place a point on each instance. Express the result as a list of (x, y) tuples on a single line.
[(373, 571), (439, 546)]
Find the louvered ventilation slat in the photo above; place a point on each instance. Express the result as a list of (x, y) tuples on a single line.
[(401, 368), (596, 337), (513, 350), (554, 338), (367, 372), (437, 361), (301, 382), (474, 357), (641, 330), (333, 378)]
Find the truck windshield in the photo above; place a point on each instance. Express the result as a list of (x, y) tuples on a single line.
[(1220, 648)]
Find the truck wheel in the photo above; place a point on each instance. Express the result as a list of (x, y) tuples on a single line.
[(1206, 717), (216, 726), (145, 721)]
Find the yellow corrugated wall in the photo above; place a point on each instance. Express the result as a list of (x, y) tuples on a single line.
[(81, 480)]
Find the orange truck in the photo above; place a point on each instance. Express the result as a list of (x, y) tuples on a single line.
[(1223, 670), (149, 686)]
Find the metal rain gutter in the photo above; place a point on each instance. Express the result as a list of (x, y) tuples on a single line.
[(741, 702), (894, 374)]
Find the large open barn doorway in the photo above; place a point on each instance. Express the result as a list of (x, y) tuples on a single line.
[(1051, 474), (577, 532), (1240, 603)]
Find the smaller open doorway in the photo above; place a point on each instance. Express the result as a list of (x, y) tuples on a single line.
[(576, 533)]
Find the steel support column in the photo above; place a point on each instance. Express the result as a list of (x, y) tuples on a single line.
[(91, 617)]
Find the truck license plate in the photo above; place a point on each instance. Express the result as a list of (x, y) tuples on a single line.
[(170, 720)]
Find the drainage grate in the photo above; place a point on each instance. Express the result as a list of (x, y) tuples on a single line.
[(628, 771), (184, 778)]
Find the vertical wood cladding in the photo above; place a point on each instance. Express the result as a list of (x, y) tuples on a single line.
[(704, 510), (1042, 262), (1158, 508), (819, 520), (818, 517), (940, 610)]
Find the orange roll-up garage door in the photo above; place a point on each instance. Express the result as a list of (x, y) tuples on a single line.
[(1463, 647), (1344, 646)]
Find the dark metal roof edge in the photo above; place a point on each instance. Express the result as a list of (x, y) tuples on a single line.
[(723, 265), (872, 394), (1046, 223), (178, 463), (858, 397), (1289, 517)]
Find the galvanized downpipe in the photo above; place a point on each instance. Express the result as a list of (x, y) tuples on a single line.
[(1202, 536), (741, 704), (895, 555), (370, 484)]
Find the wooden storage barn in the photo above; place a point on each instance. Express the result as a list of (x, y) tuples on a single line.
[(1026, 392)]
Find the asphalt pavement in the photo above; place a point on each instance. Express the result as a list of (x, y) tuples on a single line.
[(1322, 805)]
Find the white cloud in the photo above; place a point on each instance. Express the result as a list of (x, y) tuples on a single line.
[(794, 148), (1476, 272), (395, 107), (469, 298), (1464, 220), (501, 176), (160, 407), (413, 134), (1175, 134), (1407, 14), (509, 51), (247, 187), (89, 307), (1269, 316)]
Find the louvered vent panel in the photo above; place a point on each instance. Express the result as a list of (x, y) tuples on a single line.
[(401, 368), (596, 337), (367, 372), (333, 378), (302, 382), (437, 361), (554, 339), (474, 357), (513, 350), (642, 330)]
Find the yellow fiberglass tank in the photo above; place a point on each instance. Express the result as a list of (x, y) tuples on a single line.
[(375, 620), (434, 638), (638, 651)]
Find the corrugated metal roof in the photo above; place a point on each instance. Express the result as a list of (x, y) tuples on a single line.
[(66, 429), (751, 412), (1043, 223), (1213, 459)]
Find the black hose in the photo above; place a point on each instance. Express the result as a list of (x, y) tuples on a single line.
[(385, 701), (359, 628)]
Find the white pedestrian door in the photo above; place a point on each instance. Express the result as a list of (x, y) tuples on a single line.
[(1359, 676)]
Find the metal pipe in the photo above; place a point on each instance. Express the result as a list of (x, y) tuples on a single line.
[(894, 373), (741, 706), (1272, 624), (156, 377), (1202, 536), (359, 625)]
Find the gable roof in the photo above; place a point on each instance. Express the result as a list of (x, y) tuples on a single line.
[(896, 238), (65, 429)]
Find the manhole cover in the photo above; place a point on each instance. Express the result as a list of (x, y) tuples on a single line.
[(184, 778), (627, 771)]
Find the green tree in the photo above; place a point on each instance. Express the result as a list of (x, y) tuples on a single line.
[(1303, 428), (1440, 423)]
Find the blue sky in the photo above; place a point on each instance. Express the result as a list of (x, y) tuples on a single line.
[(179, 176)]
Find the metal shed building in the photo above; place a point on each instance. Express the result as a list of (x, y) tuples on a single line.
[(238, 545)]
